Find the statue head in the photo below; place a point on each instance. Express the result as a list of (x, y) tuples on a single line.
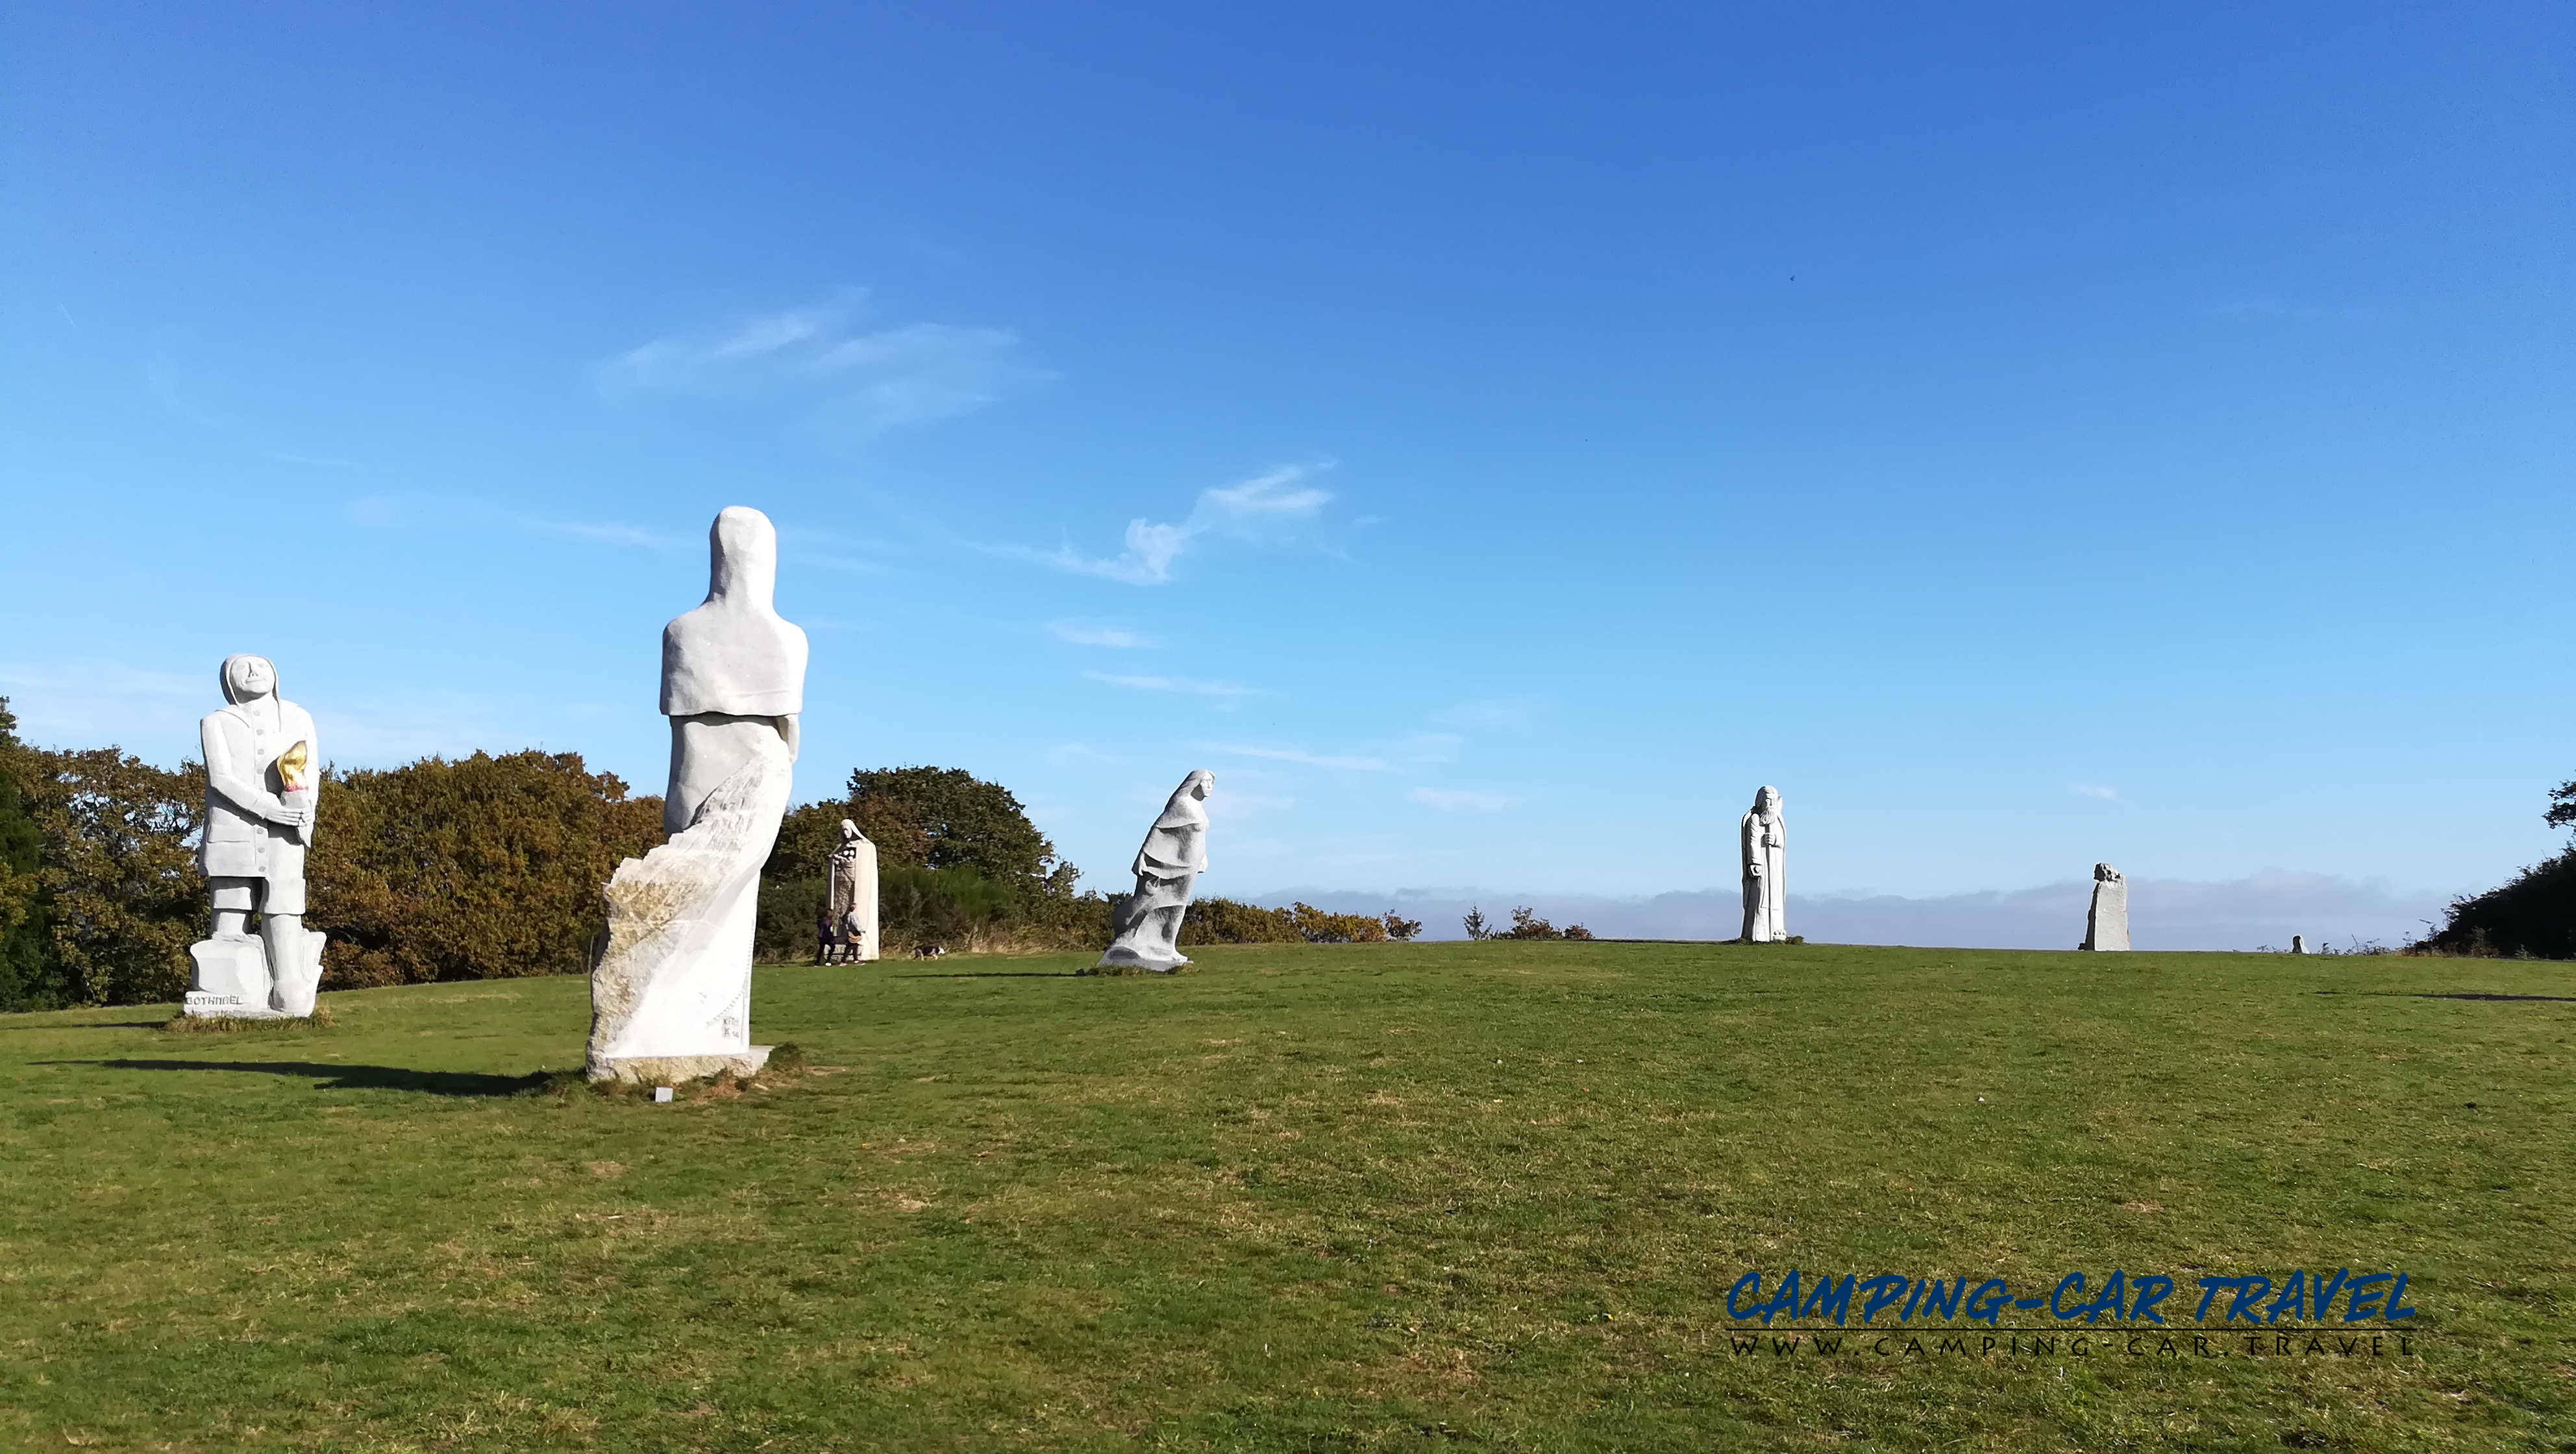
[(2105, 873), (742, 565), (1198, 783), (850, 831), (1767, 802), (248, 678)]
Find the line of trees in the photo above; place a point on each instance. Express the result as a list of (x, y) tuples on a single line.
[(490, 867)]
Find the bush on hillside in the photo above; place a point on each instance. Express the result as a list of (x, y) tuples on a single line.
[(117, 873), (1227, 921), (1526, 924), (480, 868), (2531, 917)]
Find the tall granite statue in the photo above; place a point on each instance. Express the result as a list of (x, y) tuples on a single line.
[(263, 776), (2106, 924), (1145, 927), (1765, 840), (852, 874), (670, 994)]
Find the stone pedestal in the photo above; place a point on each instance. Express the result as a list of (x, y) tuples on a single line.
[(231, 978), (673, 1069)]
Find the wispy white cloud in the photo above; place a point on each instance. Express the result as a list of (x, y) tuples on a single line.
[(90, 704), (154, 713), (1238, 805), (1177, 684), (1459, 800), (2096, 790), (1299, 755), (1493, 712), (1263, 508), (1065, 754), (1084, 634), (2266, 305), (409, 511), (161, 381), (1428, 746), (860, 382), (603, 532)]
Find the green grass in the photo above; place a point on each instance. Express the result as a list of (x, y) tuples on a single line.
[(1360, 1197)]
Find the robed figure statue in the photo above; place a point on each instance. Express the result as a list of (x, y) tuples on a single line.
[(850, 913), (1764, 834), (670, 993), (1145, 927), (263, 776)]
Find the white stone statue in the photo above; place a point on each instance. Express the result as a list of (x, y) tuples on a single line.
[(1765, 842), (1145, 927), (670, 996), (263, 775), (2106, 924), (853, 908)]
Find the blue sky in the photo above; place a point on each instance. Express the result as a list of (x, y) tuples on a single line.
[(1493, 439)]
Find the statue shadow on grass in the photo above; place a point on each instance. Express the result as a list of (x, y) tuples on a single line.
[(2453, 995), (994, 974), (349, 1077)]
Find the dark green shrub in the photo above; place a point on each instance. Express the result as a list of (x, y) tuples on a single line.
[(1224, 921), (788, 911), (2534, 916)]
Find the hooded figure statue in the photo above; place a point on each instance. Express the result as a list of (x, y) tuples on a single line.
[(1145, 927), (733, 670), (850, 913), (670, 991)]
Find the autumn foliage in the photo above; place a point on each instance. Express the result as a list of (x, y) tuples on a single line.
[(481, 868)]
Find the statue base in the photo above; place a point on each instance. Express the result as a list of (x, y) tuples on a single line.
[(673, 1069), (198, 1002), (233, 978), (1122, 960)]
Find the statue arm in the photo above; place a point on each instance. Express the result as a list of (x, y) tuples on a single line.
[(234, 781)]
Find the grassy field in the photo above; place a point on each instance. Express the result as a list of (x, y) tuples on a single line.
[(1359, 1197)]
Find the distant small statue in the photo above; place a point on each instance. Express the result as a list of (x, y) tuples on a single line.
[(2106, 924), (853, 877), (1764, 835), (1145, 927), (263, 776)]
